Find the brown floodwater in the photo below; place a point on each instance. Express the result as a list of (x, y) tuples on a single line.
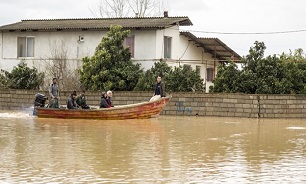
[(170, 149)]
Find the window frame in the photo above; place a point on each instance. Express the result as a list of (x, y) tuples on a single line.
[(198, 70), (210, 74), (24, 53), (167, 47), (132, 47)]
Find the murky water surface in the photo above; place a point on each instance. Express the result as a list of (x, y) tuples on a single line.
[(163, 150)]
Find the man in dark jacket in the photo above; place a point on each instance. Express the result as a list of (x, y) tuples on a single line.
[(159, 87), (71, 104), (103, 102), (81, 101)]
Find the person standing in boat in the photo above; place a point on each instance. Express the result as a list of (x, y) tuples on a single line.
[(71, 103), (109, 98), (81, 101), (159, 89), (54, 94), (103, 102)]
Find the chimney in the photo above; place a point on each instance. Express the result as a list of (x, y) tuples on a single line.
[(165, 13)]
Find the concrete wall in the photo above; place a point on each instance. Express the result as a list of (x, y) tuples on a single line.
[(187, 104)]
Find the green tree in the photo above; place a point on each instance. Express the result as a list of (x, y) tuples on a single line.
[(184, 79), (296, 56), (3, 78), (110, 67), (148, 78), (227, 78), (295, 63), (256, 54), (246, 82), (176, 79), (264, 75), (23, 77)]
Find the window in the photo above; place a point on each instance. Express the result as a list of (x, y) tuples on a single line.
[(167, 47), (25, 47), (198, 70), (210, 74), (188, 67), (130, 42)]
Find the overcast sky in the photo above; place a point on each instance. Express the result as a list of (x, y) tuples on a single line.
[(224, 16)]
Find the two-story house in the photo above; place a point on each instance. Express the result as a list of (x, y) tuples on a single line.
[(151, 39)]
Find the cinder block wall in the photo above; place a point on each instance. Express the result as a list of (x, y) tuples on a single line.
[(184, 104), (282, 106), (204, 104)]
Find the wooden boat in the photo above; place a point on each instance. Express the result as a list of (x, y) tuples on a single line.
[(133, 111)]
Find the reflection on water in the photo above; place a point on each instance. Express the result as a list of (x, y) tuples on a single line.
[(163, 150)]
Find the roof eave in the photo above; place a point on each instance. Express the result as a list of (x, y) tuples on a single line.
[(23, 25), (80, 28), (236, 57)]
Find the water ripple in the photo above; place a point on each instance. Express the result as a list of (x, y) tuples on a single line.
[(164, 150)]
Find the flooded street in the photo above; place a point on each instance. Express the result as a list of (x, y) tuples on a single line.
[(165, 150)]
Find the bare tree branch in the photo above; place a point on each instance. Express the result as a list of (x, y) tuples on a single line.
[(58, 65), (124, 8)]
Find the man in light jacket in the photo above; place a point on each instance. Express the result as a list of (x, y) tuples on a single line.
[(54, 94)]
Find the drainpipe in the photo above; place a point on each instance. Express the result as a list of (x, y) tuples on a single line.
[(214, 61), (205, 76), (205, 73), (1, 44)]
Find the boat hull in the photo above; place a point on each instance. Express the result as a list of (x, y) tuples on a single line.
[(134, 111)]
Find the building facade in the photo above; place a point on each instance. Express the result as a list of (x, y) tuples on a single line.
[(41, 42)]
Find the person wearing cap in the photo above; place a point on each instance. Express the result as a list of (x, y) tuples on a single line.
[(103, 102), (71, 104), (54, 94)]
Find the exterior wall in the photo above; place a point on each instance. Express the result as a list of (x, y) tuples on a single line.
[(1, 48), (46, 42), (149, 48), (145, 46), (185, 104), (184, 52), (195, 56)]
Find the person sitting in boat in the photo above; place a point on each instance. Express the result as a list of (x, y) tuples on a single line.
[(103, 102), (71, 104), (81, 100), (109, 98)]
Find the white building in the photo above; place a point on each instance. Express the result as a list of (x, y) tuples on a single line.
[(152, 38)]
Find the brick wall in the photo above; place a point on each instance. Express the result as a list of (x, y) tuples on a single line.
[(185, 104)]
